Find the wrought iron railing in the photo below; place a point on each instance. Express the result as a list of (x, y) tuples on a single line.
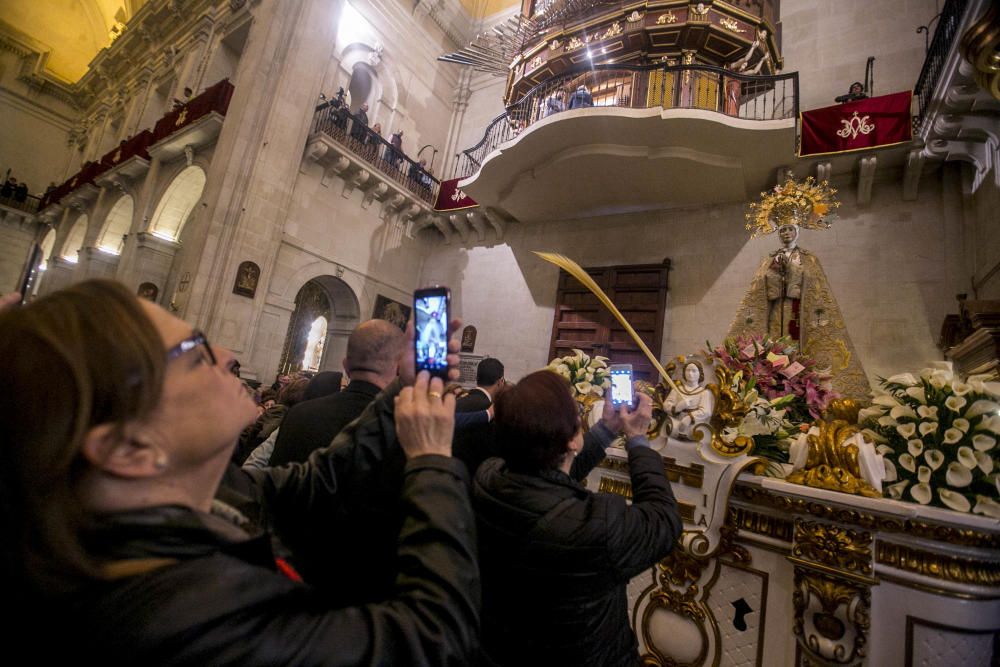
[(640, 87), (944, 37), (23, 202), (343, 127)]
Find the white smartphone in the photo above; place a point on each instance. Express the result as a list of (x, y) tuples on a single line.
[(621, 384)]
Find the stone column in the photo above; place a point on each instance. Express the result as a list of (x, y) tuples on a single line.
[(153, 258), (255, 165), (143, 208)]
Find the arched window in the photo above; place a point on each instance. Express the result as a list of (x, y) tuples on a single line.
[(177, 203), (48, 243), (116, 226), (363, 80), (315, 342), (71, 248), (354, 28)]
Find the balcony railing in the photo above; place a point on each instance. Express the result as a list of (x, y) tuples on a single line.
[(27, 203), (944, 37), (343, 127), (704, 87), (215, 98)]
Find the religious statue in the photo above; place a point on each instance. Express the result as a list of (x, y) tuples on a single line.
[(690, 404), (247, 276), (790, 295)]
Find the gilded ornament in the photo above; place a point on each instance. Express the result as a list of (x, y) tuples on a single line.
[(836, 546), (805, 204), (981, 47), (535, 62), (945, 567), (730, 411), (634, 17), (554, 44), (832, 464), (740, 518), (831, 618), (668, 17), (574, 43), (616, 486), (680, 568), (855, 126), (731, 25), (614, 30)]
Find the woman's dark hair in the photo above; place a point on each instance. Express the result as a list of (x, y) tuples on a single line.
[(80, 357), (293, 392), (535, 421)]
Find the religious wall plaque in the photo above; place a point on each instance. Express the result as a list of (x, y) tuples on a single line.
[(148, 291), (469, 339), (391, 310), (247, 276)]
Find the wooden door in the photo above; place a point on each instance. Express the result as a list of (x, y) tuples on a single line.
[(581, 321)]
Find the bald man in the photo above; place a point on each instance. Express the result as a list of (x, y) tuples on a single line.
[(371, 363)]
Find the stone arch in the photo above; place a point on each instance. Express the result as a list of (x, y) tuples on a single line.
[(48, 245), (322, 296), (70, 250), (117, 224), (363, 58), (177, 203)]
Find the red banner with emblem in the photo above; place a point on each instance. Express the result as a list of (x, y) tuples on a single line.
[(451, 198), (853, 126)]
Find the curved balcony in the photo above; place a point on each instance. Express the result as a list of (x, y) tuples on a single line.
[(639, 138)]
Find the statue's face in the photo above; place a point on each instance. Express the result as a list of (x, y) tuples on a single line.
[(692, 374), (788, 233)]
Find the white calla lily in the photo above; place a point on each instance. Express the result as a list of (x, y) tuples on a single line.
[(934, 458), (923, 474), (884, 449), (907, 462), (896, 490), (871, 412), (955, 403), (951, 436), (597, 390), (983, 442), (982, 407), (992, 389), (921, 493), (917, 393), (906, 430), (902, 378), (987, 507), (926, 428), (890, 470), (928, 411), (887, 420), (885, 400), (958, 475), (960, 388), (902, 411), (954, 500), (874, 437), (984, 461), (961, 424), (915, 447), (583, 387), (991, 423), (967, 457)]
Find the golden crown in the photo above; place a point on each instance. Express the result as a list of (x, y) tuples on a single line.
[(805, 204)]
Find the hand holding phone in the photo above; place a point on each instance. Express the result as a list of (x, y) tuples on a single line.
[(30, 271)]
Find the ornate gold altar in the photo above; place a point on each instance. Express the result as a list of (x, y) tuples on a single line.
[(772, 572)]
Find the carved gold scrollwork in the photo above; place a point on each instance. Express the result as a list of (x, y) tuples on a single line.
[(666, 18), (731, 25), (831, 464), (834, 546), (831, 618), (729, 412), (938, 566)]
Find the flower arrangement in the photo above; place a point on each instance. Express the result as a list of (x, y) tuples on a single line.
[(781, 389), (588, 376), (939, 436)]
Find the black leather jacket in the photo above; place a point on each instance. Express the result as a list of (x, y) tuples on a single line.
[(209, 593), (556, 558)]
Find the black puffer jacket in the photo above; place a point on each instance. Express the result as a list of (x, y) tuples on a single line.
[(556, 558), (192, 589)]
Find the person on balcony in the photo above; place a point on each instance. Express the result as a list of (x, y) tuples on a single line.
[(397, 148), (360, 128), (581, 98), (373, 140), (856, 92), (553, 104)]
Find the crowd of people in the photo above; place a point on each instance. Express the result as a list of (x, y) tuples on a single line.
[(369, 142), (393, 520)]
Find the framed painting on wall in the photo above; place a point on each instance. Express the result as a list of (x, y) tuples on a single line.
[(391, 310)]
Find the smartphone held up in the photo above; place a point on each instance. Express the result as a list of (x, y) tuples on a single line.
[(621, 384), (431, 315)]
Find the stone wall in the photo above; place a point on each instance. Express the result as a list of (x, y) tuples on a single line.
[(984, 249)]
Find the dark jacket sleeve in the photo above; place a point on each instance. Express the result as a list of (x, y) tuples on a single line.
[(647, 529), (467, 419), (595, 441)]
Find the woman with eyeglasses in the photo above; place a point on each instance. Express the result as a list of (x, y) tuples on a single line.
[(119, 422), (556, 557)]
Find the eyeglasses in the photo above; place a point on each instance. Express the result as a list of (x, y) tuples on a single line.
[(196, 339)]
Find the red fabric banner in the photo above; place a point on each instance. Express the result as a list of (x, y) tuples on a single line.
[(867, 123), (450, 198)]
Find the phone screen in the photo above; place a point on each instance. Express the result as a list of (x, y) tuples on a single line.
[(431, 316), (621, 385), (30, 272)]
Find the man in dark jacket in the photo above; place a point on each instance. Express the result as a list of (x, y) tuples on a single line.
[(580, 98), (475, 444), (489, 379), (371, 363)]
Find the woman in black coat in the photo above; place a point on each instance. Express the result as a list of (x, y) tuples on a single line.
[(555, 557)]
